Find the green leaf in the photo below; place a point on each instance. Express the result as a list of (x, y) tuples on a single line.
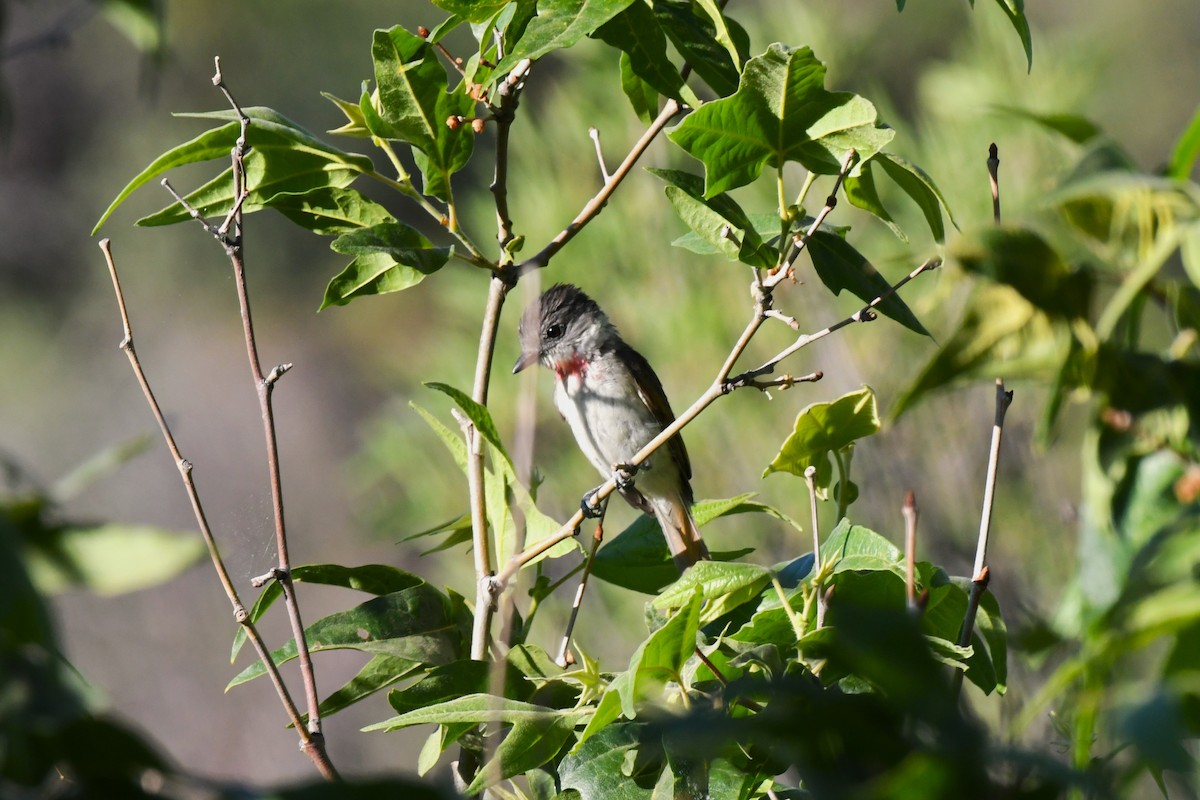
[(389, 257), (1015, 11), (1077, 129), (413, 106), (330, 211), (595, 769), (695, 37), (861, 192), (718, 220), (853, 547), (471, 10), (473, 708), (638, 557), (1021, 259), (378, 673), (643, 45), (458, 532), (723, 586), (1001, 333), (917, 184), (781, 112), (397, 241), (660, 658), (100, 465), (559, 25), (451, 681), (1187, 149), (283, 157), (642, 95), (419, 624), (479, 415), (721, 31), (840, 266), (530, 744), (823, 428), (356, 123), (110, 559)]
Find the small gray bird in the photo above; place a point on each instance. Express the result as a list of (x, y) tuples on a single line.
[(615, 404)]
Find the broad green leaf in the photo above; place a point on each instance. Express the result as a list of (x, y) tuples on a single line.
[(781, 112), (917, 184), (861, 192), (718, 220), (471, 10), (721, 31), (1015, 11), (853, 547), (638, 557), (140, 21), (389, 257), (479, 415), (414, 105), (660, 658), (559, 25), (1001, 334), (419, 624), (1023, 260), (473, 708), (283, 157), (530, 744), (378, 673), (330, 211), (451, 681), (823, 428), (643, 45), (110, 559), (1076, 128), (642, 95), (987, 666), (840, 266), (595, 769), (695, 37), (723, 586), (1187, 149)]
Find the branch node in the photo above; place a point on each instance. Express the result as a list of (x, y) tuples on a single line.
[(184, 466), (594, 133), (275, 374), (275, 574)]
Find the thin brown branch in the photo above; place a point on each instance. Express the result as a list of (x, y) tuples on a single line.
[(810, 476), (229, 234), (593, 207), (308, 742), (993, 165), (565, 659), (909, 511), (800, 241), (982, 573)]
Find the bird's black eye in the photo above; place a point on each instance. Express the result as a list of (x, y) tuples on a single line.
[(555, 330)]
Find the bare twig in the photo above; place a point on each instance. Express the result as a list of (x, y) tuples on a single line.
[(785, 270), (564, 652), (595, 136), (909, 512), (982, 574), (993, 164), (594, 206), (810, 476), (229, 234), (309, 743)]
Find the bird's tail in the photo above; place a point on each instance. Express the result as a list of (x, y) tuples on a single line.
[(679, 528)]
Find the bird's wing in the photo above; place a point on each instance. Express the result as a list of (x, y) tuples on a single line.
[(650, 389)]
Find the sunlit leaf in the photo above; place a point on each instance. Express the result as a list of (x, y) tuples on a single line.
[(558, 25), (112, 558), (824, 428), (781, 112)]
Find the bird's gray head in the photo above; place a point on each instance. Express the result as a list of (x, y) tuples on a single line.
[(562, 325)]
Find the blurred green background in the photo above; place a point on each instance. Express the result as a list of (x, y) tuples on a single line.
[(361, 470)]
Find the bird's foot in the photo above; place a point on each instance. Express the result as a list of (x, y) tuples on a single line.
[(623, 474), (590, 508)]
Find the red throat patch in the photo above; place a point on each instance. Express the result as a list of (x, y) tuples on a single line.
[(575, 366)]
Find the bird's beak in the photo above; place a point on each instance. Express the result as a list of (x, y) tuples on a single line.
[(527, 358)]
